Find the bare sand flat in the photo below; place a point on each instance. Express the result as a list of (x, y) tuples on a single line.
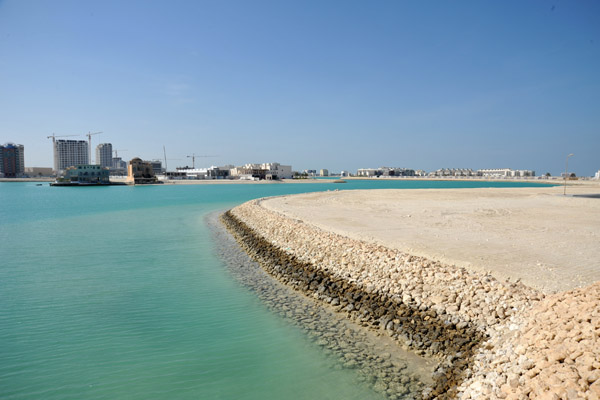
[(549, 241)]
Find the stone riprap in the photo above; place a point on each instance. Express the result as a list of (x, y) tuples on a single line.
[(553, 353), (377, 361), (471, 322)]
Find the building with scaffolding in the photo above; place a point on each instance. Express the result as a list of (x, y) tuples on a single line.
[(68, 153), (104, 155)]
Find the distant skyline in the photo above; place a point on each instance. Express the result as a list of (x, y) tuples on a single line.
[(339, 85)]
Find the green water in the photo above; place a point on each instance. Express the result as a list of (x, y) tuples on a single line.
[(116, 293)]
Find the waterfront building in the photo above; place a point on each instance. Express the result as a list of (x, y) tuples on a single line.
[(192, 173), (157, 167), (597, 176), (457, 172), (249, 170), (12, 160), (505, 173), (104, 155), (37, 172), (140, 172), (368, 172), (219, 172), (523, 173), (277, 171), (324, 172), (263, 171), (85, 174), (387, 171), (68, 153)]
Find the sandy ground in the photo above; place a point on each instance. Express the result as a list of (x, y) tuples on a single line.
[(549, 241)]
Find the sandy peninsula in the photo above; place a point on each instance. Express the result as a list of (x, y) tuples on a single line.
[(549, 241), (500, 286)]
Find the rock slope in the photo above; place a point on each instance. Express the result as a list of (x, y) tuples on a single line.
[(483, 332)]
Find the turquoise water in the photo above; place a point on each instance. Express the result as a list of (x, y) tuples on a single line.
[(116, 293)]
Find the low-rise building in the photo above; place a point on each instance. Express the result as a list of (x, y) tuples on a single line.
[(140, 172), (324, 172), (263, 171), (277, 171), (388, 171), (369, 172), (85, 174), (385, 171), (219, 172), (456, 172), (192, 173), (597, 176), (249, 170), (38, 172), (505, 173)]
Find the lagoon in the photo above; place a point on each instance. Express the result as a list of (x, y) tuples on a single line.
[(118, 292)]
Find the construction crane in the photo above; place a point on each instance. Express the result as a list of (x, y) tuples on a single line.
[(53, 136), (89, 135), (193, 157), (117, 154)]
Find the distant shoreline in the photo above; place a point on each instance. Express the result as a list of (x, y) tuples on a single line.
[(587, 182)]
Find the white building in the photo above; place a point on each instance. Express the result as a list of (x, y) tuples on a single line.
[(193, 173), (597, 176), (263, 171), (104, 155), (454, 172), (368, 172), (505, 173), (68, 153), (277, 170)]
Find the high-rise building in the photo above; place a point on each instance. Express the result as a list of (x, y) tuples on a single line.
[(68, 153), (12, 160), (104, 155)]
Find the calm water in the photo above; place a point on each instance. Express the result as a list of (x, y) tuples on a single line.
[(115, 293)]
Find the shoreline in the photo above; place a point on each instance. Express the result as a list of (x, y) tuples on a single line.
[(542, 182), (377, 360), (415, 300)]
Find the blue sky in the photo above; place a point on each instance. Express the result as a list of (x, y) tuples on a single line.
[(315, 84)]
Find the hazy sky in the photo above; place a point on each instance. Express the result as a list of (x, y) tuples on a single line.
[(315, 84)]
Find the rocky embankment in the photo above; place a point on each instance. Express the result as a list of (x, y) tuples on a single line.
[(483, 332)]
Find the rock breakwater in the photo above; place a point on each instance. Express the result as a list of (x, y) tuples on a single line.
[(456, 316), (377, 361)]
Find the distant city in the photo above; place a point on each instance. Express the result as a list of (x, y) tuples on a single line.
[(73, 162)]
